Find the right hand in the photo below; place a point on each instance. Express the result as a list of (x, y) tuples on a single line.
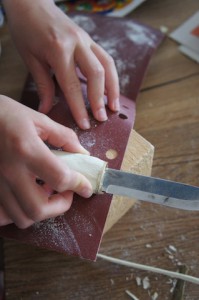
[(24, 157)]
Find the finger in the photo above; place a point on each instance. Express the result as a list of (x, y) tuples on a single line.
[(12, 210), (60, 203), (49, 191), (111, 76), (58, 135), (94, 72), (51, 170), (45, 84), (4, 218), (66, 75), (35, 202)]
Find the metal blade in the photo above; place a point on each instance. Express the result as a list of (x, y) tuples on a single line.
[(155, 190)]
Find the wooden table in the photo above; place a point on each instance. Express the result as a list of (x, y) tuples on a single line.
[(168, 117)]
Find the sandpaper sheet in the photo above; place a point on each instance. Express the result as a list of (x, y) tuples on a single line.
[(79, 231)]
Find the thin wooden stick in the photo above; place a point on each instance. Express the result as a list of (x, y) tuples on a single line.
[(149, 268), (131, 295), (178, 292)]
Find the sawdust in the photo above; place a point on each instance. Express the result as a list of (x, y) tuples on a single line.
[(59, 233), (139, 35), (85, 22)]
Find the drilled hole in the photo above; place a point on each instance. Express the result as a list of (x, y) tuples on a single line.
[(111, 154), (122, 116)]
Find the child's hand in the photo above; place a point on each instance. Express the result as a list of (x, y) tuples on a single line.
[(24, 157), (49, 41)]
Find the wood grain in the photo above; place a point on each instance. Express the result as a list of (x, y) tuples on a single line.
[(138, 158), (168, 64), (168, 117)]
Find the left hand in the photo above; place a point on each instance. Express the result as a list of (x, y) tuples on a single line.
[(50, 41)]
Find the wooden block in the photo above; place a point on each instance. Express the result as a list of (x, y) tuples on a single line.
[(138, 159)]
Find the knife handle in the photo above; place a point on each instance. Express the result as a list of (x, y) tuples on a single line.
[(91, 167)]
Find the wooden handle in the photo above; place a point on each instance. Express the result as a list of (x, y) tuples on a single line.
[(91, 167)]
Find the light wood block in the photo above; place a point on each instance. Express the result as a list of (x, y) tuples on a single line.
[(138, 159)]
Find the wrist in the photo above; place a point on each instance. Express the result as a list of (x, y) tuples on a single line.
[(23, 6)]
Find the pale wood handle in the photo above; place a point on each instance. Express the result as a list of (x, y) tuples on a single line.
[(91, 167)]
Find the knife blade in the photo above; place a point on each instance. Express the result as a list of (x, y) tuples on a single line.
[(150, 189), (117, 182)]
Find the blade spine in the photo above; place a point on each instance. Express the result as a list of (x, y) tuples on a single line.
[(151, 177)]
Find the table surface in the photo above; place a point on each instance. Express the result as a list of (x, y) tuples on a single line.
[(168, 117)]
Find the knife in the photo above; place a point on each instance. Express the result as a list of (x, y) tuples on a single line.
[(116, 182)]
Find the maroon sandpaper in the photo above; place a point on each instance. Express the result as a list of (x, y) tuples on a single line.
[(128, 41), (79, 231)]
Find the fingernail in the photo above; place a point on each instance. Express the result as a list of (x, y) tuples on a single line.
[(85, 124), (116, 105), (101, 114), (55, 100), (87, 192), (44, 107), (84, 151), (40, 108)]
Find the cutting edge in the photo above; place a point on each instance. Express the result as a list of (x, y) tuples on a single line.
[(150, 189)]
